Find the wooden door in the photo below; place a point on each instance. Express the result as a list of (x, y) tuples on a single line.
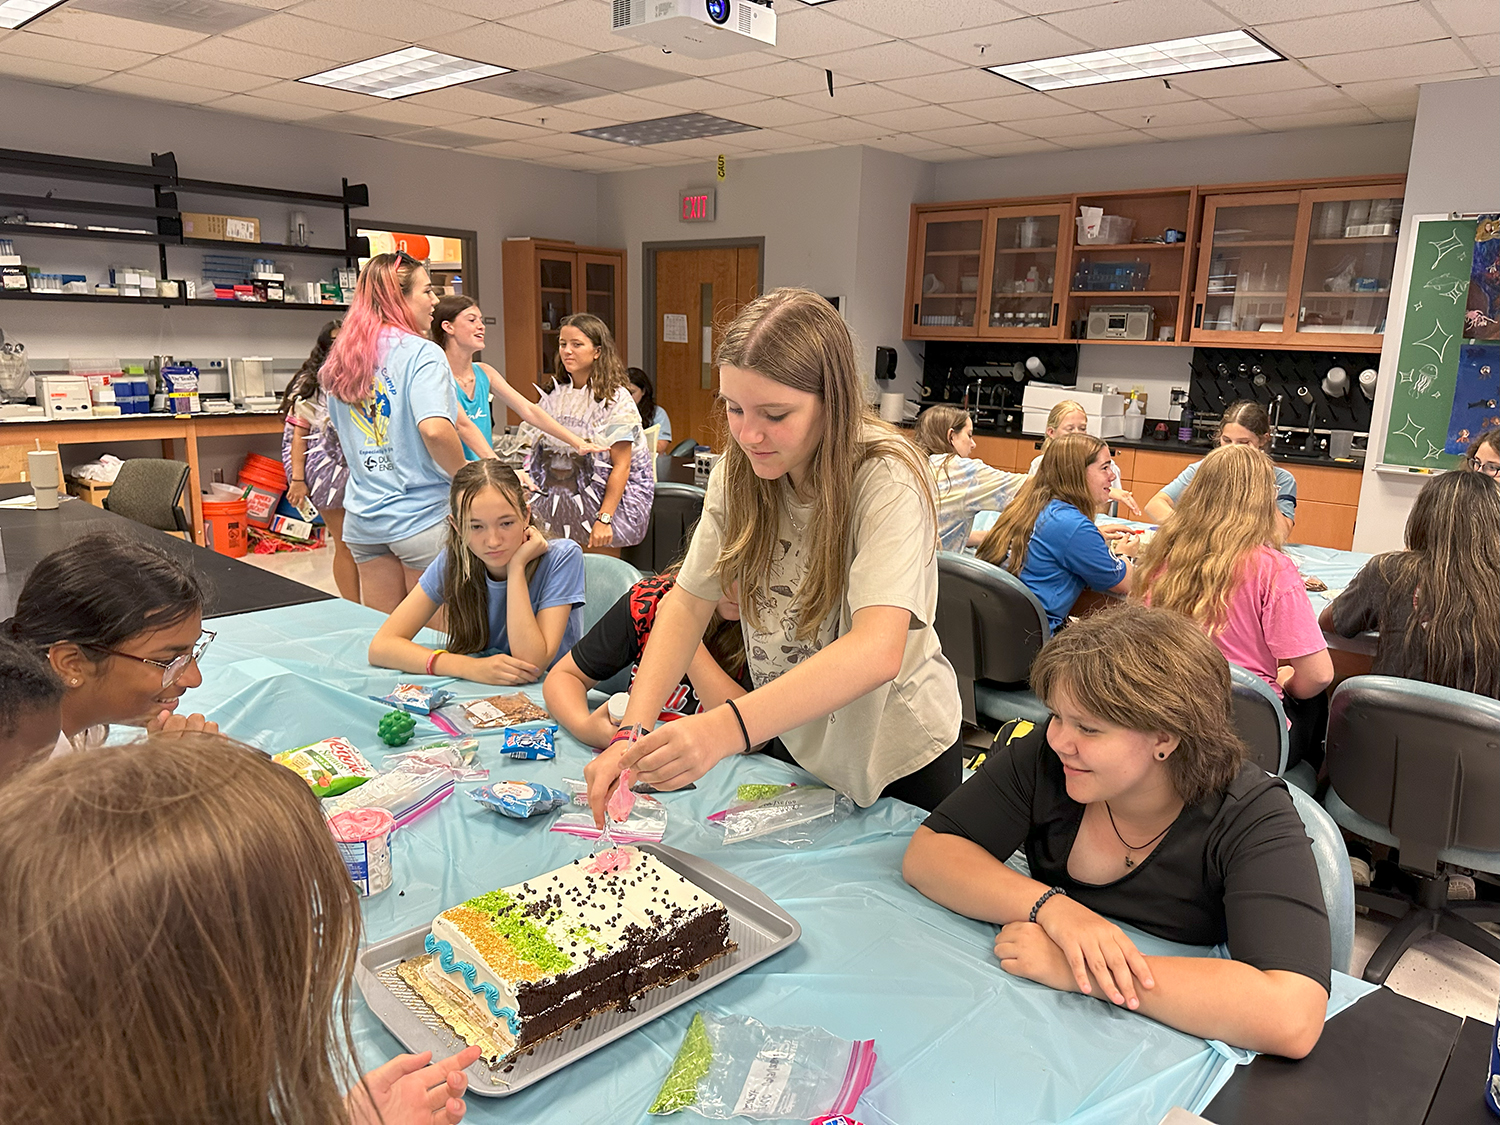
[(706, 288)]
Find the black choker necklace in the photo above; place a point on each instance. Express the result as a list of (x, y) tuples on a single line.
[(1129, 862)]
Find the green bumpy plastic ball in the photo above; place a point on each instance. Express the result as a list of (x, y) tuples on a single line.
[(396, 728)]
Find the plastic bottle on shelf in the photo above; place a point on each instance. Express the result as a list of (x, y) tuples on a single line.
[(1135, 420)]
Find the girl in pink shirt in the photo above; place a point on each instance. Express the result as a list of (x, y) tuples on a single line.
[(1218, 561)]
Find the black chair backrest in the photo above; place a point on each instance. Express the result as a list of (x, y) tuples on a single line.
[(684, 447), (147, 490), (1259, 719), (675, 511), (1421, 760), (990, 625)]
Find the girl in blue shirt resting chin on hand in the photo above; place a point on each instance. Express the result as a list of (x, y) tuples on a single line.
[(514, 599)]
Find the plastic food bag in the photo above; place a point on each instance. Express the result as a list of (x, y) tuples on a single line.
[(330, 767), (734, 1066), (455, 754), (794, 818), (503, 711), (530, 744), (415, 698), (520, 799), (647, 822)]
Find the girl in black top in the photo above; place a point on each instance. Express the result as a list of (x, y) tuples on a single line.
[(1138, 805)]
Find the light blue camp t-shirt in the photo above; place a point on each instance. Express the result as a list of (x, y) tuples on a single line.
[(396, 489), (1065, 554), (558, 581), (661, 419), (477, 408), (1286, 488)]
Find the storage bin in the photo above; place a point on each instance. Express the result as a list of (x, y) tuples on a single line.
[(1113, 230)]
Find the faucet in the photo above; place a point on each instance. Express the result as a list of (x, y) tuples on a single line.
[(1311, 444)]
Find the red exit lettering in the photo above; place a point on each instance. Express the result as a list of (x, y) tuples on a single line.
[(694, 206)]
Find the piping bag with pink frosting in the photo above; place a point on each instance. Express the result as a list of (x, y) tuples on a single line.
[(621, 801)]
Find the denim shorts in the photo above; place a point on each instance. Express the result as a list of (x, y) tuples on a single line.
[(414, 553)]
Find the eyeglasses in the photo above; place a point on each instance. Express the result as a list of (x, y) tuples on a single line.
[(1488, 468), (173, 668)]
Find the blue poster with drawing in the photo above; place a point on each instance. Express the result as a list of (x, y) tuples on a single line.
[(1476, 396)]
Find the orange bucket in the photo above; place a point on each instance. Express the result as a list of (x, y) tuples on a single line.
[(224, 526), (265, 480)]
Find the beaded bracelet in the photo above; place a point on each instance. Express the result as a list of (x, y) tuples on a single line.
[(1043, 900), (432, 659)]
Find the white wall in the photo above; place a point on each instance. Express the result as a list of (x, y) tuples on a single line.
[(1455, 166)]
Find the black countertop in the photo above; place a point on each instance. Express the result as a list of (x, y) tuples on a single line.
[(1291, 456)]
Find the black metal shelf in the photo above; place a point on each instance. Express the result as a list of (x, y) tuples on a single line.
[(86, 171), (86, 298), (20, 230), (214, 303), (244, 191), (85, 206), (271, 247)]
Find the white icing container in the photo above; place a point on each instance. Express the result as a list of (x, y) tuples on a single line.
[(363, 837)]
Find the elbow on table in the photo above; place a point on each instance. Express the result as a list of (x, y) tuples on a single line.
[(917, 863)]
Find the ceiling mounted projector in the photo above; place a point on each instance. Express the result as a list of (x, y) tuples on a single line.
[(700, 29)]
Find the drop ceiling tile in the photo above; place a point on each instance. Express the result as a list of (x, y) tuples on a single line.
[(1394, 111), (622, 107), (169, 69), (1015, 148), (1112, 139), (584, 163), (1484, 48), (1277, 123), (503, 130), (1121, 25), (251, 106), (1468, 17), (138, 87), (1061, 128), (845, 130), (269, 5), (1316, 99), (1016, 107), (555, 119), (1123, 95), (1393, 91), (773, 112), (321, 97), (1012, 41), (691, 67), (973, 136), (803, 30), (501, 45), (573, 142), (919, 117), (583, 23), (965, 84), (293, 33), (864, 97), (49, 71), (943, 155), (613, 73), (445, 138), (1327, 35), (1391, 62), (358, 124), (892, 59), (45, 48), (1257, 12), (111, 31), (778, 80), (409, 20), (410, 114), (1257, 78), (902, 19), (1233, 127), (774, 140), (706, 147), (491, 9), (899, 142), (1179, 113), (466, 99), (700, 94), (1044, 7), (239, 55), (516, 150)]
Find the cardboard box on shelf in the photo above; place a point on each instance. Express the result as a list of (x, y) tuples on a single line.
[(220, 228)]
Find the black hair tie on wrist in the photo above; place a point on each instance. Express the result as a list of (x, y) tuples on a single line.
[(741, 720)]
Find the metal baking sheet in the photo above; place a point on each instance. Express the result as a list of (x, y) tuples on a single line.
[(757, 926)]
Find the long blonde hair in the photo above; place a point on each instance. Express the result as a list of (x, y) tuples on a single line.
[(1199, 556), (1062, 475), (177, 941), (794, 337), (466, 593), (608, 373)]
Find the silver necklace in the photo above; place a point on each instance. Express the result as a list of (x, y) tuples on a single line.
[(1130, 862)]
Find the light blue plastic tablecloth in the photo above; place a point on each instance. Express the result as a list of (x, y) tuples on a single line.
[(958, 1039)]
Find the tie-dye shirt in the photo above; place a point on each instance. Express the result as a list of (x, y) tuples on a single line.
[(967, 486)]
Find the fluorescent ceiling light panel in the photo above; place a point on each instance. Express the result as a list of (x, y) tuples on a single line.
[(413, 70), (13, 13), (659, 130), (1146, 60)]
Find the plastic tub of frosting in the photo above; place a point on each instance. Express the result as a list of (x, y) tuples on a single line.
[(363, 837)]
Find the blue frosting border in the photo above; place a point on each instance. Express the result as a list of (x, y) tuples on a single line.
[(448, 964)]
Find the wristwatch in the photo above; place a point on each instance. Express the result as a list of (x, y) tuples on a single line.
[(606, 519)]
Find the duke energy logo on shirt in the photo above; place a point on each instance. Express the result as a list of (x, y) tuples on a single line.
[(372, 417)]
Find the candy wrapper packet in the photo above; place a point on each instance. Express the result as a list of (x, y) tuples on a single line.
[(415, 698), (520, 799), (530, 744), (735, 1066)]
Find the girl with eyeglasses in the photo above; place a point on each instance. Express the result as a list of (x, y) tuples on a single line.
[(121, 624), (1483, 455)]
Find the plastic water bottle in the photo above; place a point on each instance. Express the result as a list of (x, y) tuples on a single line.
[(1185, 425)]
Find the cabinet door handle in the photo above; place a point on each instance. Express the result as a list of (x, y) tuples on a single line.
[(914, 309), (1054, 314), (1198, 316)]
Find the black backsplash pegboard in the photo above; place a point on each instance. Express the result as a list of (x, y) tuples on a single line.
[(995, 403), (1221, 376)]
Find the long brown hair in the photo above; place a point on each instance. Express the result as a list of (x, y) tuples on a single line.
[(466, 594), (177, 941), (1198, 557), (1452, 563), (608, 373), (1489, 438), (796, 338), (933, 433), (446, 310), (1149, 669), (1062, 475), (1248, 414)]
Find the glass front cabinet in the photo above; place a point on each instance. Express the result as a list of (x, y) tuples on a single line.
[(946, 274), (1025, 289)]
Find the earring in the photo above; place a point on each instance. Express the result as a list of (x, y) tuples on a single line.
[(74, 682), (1161, 755)]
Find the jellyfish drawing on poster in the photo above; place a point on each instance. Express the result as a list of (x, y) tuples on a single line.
[(1476, 395), (1482, 318)]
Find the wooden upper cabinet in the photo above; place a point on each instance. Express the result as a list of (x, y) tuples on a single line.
[(1347, 259), (1246, 258), (946, 268), (1024, 290)]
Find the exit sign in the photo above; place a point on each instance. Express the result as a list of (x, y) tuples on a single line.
[(697, 205)]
